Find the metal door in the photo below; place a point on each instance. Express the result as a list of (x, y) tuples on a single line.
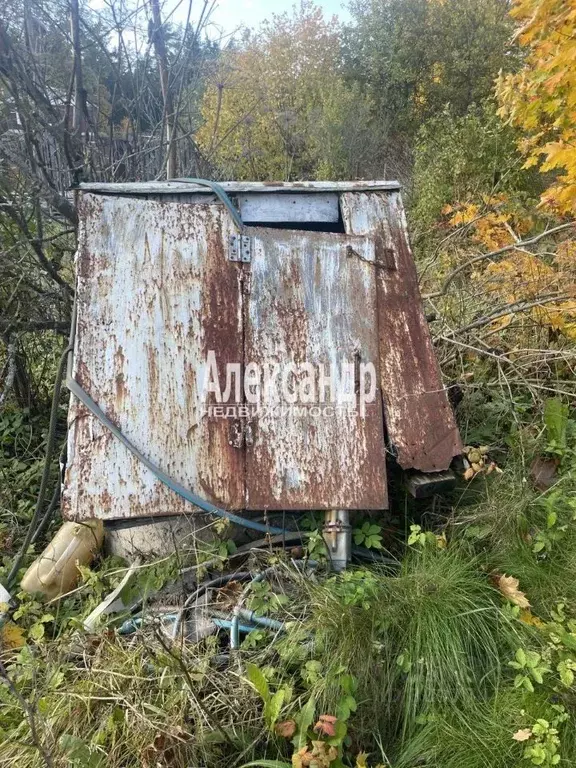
[(312, 300), (155, 293)]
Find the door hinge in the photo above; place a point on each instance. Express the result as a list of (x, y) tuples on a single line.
[(241, 433), (240, 248), (245, 282)]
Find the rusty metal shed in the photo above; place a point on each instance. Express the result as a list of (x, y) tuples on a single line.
[(319, 271)]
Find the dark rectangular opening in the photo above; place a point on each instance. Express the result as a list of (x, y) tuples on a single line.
[(301, 226)]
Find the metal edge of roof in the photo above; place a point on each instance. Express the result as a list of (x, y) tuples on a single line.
[(180, 187)]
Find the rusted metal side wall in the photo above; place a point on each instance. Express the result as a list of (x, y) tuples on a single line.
[(155, 294), (419, 419), (313, 300)]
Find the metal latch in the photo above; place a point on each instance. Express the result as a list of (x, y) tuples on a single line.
[(240, 248)]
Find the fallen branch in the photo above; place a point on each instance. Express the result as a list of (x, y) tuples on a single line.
[(499, 252), (511, 309), (30, 713)]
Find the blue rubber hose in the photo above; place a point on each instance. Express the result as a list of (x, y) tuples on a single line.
[(235, 633), (174, 485), (263, 621), (220, 194)]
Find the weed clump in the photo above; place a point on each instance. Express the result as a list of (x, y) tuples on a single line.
[(433, 635)]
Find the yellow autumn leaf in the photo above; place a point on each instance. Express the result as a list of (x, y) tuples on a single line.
[(539, 97), (11, 636), (527, 617), (441, 541), (522, 735)]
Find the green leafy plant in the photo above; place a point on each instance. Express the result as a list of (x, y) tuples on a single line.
[(420, 538), (368, 535), (32, 616), (530, 667), (263, 600), (543, 747), (80, 754), (316, 546), (215, 552), (273, 702), (355, 587), (561, 633), (560, 510), (253, 639), (556, 421), (324, 743)]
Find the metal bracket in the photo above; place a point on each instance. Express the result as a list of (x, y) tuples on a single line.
[(240, 248), (337, 533), (241, 433)]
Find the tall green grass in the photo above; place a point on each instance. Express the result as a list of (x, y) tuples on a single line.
[(481, 736), (501, 531), (433, 636)]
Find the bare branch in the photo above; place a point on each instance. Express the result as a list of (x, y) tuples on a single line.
[(499, 252)]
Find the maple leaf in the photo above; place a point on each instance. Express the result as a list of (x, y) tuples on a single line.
[(508, 586), (11, 636), (287, 728), (326, 725), (522, 735)]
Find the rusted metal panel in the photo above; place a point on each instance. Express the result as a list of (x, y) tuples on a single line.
[(233, 187), (155, 294), (313, 300), (419, 419)]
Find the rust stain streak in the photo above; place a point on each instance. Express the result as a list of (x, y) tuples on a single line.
[(155, 292), (309, 302), (421, 427)]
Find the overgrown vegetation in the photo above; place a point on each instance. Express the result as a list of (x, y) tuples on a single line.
[(459, 651)]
